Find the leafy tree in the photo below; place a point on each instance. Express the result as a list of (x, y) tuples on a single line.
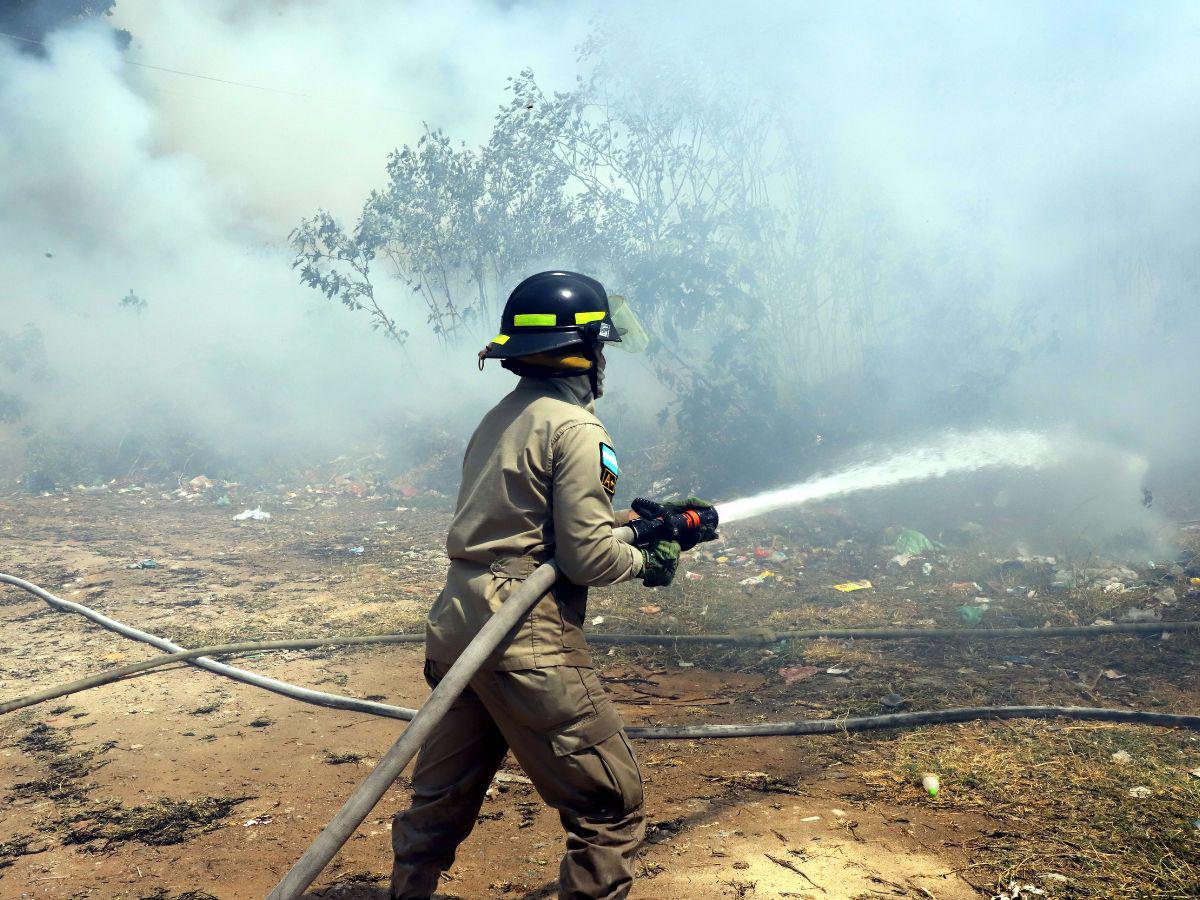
[(33, 20)]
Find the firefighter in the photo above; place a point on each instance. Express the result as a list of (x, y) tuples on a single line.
[(537, 483)]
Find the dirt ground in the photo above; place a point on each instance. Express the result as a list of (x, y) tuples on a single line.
[(179, 784)]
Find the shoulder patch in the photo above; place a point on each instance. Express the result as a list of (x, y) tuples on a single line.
[(610, 470)]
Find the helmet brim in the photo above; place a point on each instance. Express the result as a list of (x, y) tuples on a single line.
[(525, 343)]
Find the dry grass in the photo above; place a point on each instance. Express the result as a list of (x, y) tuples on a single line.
[(1061, 803)]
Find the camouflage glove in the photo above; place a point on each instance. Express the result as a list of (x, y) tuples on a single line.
[(659, 561), (694, 538)]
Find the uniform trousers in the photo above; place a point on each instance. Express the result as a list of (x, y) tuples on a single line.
[(567, 736)]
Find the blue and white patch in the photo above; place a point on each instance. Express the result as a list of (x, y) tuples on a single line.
[(610, 469)]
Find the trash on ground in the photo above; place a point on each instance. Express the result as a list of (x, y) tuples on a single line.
[(1018, 891), (848, 586), (357, 551), (966, 587), (224, 500), (256, 514), (931, 783), (143, 564), (1122, 758), (792, 674), (1166, 596), (200, 483), (1140, 792), (693, 576), (650, 609), (756, 579), (836, 671), (901, 559), (971, 615), (258, 820), (1141, 615), (598, 620), (506, 778), (893, 701), (912, 543), (1113, 675)]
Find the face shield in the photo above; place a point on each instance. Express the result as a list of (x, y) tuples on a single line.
[(633, 336)]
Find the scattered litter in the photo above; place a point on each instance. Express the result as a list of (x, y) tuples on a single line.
[(1141, 615), (971, 615), (258, 820), (792, 674), (256, 514), (926, 568), (1054, 876), (693, 576), (893, 701), (224, 500), (1140, 792), (931, 783), (200, 483), (1195, 773), (506, 778), (901, 559), (847, 587), (685, 665), (1194, 582), (912, 543), (1166, 596), (1018, 891), (1122, 758), (143, 564), (1017, 660), (966, 587), (357, 551), (811, 819), (598, 620), (1103, 622), (1113, 675), (1114, 587), (756, 579), (650, 609), (836, 671)]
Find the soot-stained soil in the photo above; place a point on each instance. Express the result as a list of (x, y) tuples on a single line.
[(178, 783)]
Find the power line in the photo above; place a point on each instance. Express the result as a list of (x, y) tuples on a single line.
[(214, 78)]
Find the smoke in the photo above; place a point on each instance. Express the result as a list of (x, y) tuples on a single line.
[(1016, 182), (177, 194)]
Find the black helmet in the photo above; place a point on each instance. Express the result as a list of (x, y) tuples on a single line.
[(552, 311)]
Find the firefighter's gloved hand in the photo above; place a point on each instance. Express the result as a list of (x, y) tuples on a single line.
[(691, 539), (659, 562)]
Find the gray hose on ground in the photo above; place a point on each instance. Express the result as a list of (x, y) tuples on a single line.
[(320, 698), (122, 672), (400, 712), (910, 719), (338, 701), (366, 795)]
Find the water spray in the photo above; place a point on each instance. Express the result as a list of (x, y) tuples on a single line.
[(954, 453)]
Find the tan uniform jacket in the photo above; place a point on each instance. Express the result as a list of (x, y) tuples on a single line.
[(531, 490)]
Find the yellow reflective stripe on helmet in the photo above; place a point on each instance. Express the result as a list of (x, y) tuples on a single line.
[(534, 319), (585, 317), (500, 340)]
